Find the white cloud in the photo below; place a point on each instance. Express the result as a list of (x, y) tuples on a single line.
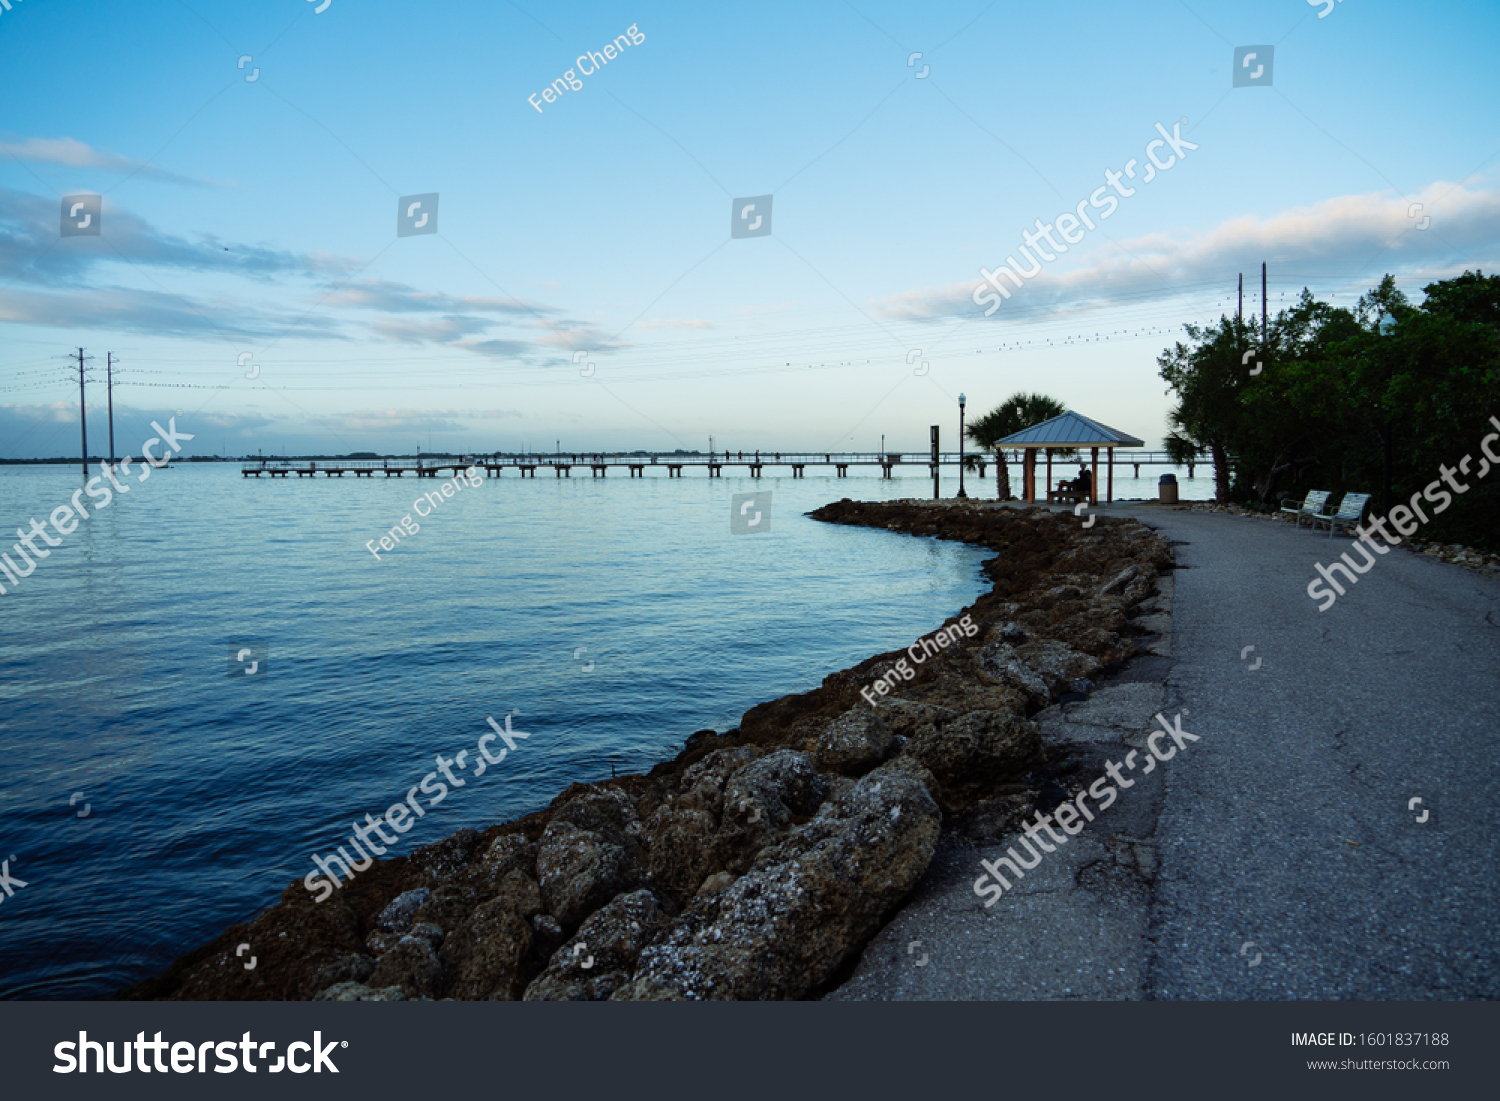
[(381, 420), (658, 323), (153, 313), (379, 294), (1348, 236), (70, 153), (442, 331)]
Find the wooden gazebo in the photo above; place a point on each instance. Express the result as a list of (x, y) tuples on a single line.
[(1071, 431)]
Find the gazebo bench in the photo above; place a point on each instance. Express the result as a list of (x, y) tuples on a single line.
[(1070, 493)]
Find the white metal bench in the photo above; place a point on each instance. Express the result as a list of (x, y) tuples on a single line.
[(1317, 500), (1351, 512)]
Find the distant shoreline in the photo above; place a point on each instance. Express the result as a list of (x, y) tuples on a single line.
[(436, 455)]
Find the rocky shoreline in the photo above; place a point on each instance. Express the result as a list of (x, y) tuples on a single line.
[(760, 862)]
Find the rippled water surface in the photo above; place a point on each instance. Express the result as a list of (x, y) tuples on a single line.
[(617, 616)]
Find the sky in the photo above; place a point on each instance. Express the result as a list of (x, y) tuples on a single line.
[(584, 288)]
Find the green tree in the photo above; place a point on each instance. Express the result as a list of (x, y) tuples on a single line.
[(1377, 398), (1410, 380), (1017, 412), (1285, 430), (1209, 373)]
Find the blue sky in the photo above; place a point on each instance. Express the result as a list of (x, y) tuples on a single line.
[(260, 216)]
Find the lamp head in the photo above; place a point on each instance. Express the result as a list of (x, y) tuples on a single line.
[(961, 401)]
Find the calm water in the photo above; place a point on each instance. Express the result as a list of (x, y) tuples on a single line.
[(207, 790)]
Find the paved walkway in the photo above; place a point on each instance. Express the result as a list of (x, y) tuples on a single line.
[(1276, 857)]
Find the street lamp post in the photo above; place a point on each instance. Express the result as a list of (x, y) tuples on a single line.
[(961, 492)]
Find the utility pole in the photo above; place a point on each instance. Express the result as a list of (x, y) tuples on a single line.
[(109, 374), (83, 424), (1263, 302), (1239, 311)]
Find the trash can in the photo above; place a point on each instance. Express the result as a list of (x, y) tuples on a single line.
[(1167, 489)]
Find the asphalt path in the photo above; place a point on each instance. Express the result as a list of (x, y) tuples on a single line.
[(1281, 855), (1292, 825)]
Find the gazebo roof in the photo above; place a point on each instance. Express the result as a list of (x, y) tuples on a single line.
[(1070, 430)]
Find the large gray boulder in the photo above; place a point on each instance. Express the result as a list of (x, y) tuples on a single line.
[(973, 753), (1000, 660), (580, 870), (854, 743), (809, 902), (488, 956), (762, 801), (600, 959)]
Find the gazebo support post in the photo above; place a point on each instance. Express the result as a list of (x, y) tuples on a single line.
[(1049, 473), (1109, 499), (1094, 477)]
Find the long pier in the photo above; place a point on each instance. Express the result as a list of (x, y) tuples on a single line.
[(600, 463)]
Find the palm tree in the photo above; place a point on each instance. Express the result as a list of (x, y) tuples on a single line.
[(1019, 411)]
